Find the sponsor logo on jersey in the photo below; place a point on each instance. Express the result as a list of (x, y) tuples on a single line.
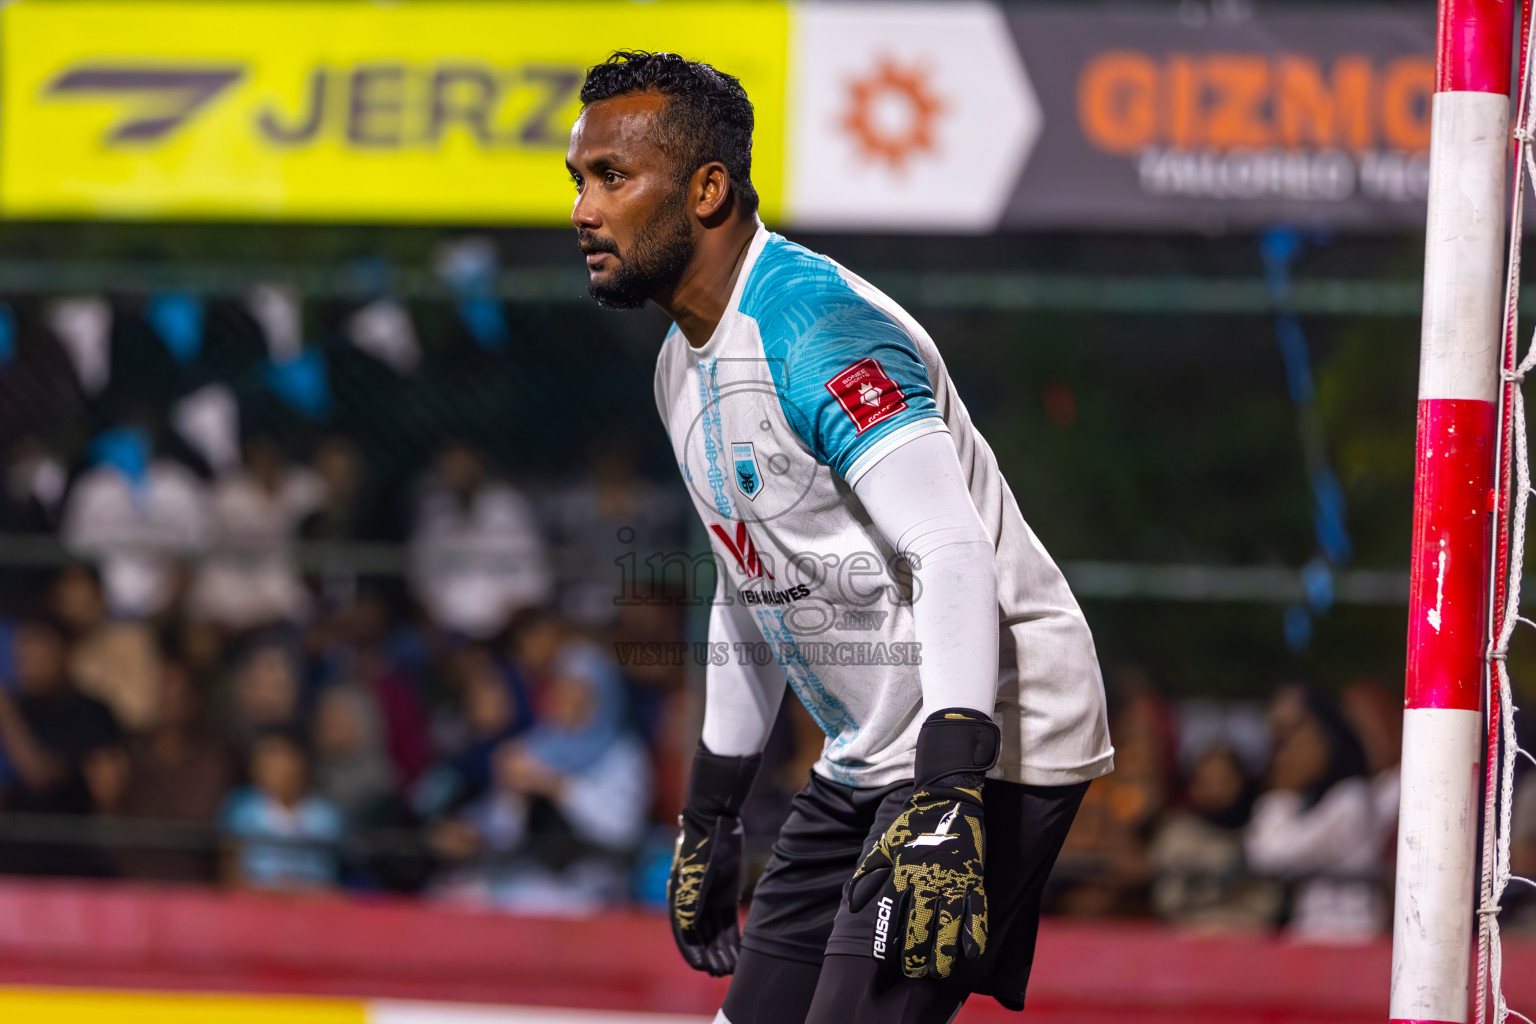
[(748, 480), (882, 926), (940, 835), (741, 547), (795, 593), (866, 394)]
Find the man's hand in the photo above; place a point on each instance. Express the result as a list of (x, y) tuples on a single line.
[(521, 771), (929, 863), (704, 888)]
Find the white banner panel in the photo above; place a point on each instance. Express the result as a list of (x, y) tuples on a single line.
[(906, 116)]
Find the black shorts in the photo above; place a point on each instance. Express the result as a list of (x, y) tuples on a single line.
[(798, 912)]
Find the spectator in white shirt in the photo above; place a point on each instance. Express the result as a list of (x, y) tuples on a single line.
[(139, 517), (1317, 823), (1376, 715), (477, 556), (250, 578)]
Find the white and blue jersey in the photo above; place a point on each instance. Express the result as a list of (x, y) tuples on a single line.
[(811, 377)]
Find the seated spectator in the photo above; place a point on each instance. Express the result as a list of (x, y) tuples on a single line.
[(48, 730), (656, 686), (263, 694), (659, 705), (250, 579), (1103, 869), (493, 707), (580, 756), (568, 804), (352, 768), (614, 517), (139, 517), (1376, 716), (1316, 822), (179, 771), (280, 833), (1197, 852), (32, 484), (201, 645), (365, 633), (534, 638), (346, 510), (115, 661), (48, 727), (477, 556)]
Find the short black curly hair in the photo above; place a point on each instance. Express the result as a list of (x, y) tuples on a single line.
[(707, 115)]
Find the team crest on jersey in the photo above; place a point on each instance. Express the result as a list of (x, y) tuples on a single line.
[(748, 480)]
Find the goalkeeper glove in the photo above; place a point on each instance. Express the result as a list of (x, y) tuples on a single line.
[(704, 888), (928, 864)]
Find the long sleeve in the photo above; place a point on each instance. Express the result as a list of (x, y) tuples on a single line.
[(917, 498), (741, 697), (607, 803)]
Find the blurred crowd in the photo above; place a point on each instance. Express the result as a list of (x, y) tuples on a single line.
[(459, 728), (204, 705), (1244, 816)]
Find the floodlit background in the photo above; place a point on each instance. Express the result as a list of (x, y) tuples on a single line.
[(329, 499)]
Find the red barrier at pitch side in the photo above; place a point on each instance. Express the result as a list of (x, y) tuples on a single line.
[(119, 936)]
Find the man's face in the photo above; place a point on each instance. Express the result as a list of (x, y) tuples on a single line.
[(631, 212)]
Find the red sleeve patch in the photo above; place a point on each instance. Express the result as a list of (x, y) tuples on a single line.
[(866, 394)]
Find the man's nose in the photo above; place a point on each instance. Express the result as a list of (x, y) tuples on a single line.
[(584, 213)]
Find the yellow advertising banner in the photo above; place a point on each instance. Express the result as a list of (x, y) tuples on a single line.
[(61, 1006), (433, 110)]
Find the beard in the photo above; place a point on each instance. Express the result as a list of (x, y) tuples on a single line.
[(654, 262)]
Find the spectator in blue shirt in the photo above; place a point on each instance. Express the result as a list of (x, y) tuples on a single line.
[(281, 834)]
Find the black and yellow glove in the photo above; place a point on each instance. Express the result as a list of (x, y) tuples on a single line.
[(927, 867), (704, 888)]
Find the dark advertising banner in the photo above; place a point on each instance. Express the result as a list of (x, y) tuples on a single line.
[(1153, 122)]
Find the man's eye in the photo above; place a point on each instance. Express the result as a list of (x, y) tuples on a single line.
[(576, 181), (611, 178)]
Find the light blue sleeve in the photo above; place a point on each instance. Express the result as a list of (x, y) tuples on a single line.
[(849, 377), (607, 803), (325, 821), (239, 813)]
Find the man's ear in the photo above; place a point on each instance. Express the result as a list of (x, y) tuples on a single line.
[(711, 190)]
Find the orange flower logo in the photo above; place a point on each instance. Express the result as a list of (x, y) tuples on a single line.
[(893, 114)]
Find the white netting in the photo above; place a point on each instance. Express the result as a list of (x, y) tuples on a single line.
[(1503, 747)]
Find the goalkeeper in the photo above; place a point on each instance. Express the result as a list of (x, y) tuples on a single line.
[(870, 545)]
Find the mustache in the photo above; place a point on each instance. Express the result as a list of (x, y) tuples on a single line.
[(590, 243)]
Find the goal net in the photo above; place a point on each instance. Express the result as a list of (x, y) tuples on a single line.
[(1511, 503)]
